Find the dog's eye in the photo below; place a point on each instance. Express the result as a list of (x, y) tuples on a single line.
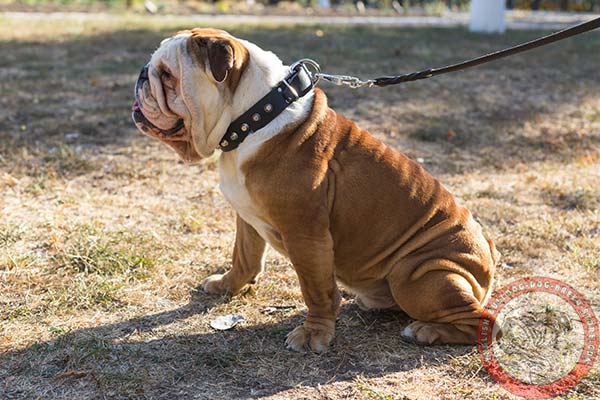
[(167, 78)]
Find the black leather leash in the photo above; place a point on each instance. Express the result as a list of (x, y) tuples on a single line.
[(382, 81)]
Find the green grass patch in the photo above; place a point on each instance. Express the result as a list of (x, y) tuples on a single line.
[(80, 293), (92, 251), (10, 233)]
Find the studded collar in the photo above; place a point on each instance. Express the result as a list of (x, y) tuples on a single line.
[(296, 84)]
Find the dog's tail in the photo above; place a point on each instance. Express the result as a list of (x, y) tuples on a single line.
[(495, 259), (495, 253)]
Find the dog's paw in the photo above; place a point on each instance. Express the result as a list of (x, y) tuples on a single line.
[(426, 333), (302, 339), (214, 284), (422, 333)]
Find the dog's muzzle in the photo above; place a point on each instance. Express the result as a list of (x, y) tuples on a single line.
[(138, 116)]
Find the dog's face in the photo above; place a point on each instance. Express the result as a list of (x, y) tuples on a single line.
[(184, 94)]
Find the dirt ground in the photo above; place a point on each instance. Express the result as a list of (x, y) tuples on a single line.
[(105, 234)]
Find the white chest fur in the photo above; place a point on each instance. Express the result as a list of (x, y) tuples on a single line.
[(233, 187)]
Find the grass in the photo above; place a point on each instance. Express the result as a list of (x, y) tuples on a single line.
[(91, 252), (577, 198), (102, 247), (9, 234)]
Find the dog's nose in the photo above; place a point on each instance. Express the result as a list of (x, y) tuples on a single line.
[(144, 73), (140, 82)]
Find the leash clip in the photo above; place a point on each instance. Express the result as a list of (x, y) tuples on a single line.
[(344, 80), (339, 80)]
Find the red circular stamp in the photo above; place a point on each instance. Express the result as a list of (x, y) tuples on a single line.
[(549, 337)]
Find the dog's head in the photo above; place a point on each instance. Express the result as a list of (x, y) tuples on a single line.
[(184, 95)]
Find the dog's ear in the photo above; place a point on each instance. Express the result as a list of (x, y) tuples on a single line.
[(223, 56), (220, 58)]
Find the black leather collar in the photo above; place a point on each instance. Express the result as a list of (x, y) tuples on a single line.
[(296, 84)]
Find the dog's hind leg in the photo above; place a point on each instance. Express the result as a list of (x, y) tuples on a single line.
[(378, 297), (444, 304)]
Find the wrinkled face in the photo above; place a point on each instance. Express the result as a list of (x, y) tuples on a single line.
[(183, 94)]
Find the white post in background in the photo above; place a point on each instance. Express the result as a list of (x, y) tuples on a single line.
[(487, 16)]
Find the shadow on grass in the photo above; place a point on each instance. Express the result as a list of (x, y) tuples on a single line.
[(250, 361)]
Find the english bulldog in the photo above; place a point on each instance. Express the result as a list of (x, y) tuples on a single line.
[(340, 204)]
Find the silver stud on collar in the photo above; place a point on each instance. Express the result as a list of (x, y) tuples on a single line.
[(244, 127), (256, 117), (233, 136), (224, 143), (268, 108)]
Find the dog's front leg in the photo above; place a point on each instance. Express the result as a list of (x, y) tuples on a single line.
[(248, 261), (312, 257)]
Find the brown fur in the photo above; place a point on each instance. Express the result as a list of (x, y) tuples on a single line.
[(345, 206)]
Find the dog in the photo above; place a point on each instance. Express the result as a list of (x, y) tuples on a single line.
[(341, 205)]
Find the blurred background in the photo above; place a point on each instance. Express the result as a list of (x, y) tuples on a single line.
[(385, 7)]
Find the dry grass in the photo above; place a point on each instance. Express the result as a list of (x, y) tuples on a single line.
[(104, 234)]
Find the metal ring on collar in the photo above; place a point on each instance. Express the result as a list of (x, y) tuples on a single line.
[(308, 62)]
